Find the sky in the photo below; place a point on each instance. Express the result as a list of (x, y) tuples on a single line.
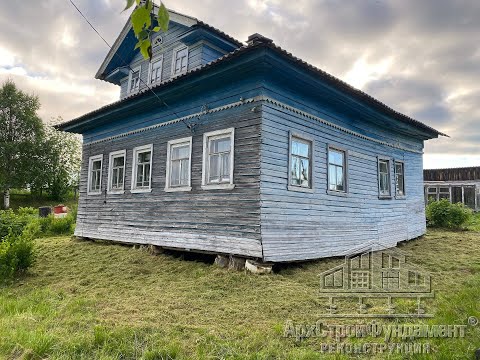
[(421, 58)]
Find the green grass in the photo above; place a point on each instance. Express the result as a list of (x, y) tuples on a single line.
[(85, 300), (474, 224), (23, 198)]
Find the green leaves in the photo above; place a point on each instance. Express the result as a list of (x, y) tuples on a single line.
[(141, 20), (129, 4), (163, 18)]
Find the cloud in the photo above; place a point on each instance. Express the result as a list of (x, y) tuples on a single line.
[(420, 57)]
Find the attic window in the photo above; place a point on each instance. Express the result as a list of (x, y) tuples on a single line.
[(134, 79), (156, 67), (180, 60), (158, 41)]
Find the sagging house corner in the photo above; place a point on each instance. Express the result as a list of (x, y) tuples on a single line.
[(244, 149)]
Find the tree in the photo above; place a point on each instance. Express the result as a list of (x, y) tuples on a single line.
[(59, 162), (143, 25), (21, 132)]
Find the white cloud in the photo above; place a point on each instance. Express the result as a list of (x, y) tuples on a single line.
[(419, 57)]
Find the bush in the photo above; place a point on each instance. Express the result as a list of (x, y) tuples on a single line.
[(444, 214), (15, 222), (61, 226), (16, 255)]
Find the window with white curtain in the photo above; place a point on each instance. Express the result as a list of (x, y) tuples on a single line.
[(179, 155), (301, 150), (95, 175), (116, 172), (142, 169), (337, 170), (218, 150), (384, 189), (399, 178)]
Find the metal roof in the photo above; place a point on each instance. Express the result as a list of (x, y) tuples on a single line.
[(258, 41)]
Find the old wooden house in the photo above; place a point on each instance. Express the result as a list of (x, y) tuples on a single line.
[(457, 185), (239, 148)]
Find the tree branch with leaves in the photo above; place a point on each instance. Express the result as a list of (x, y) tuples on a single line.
[(147, 20)]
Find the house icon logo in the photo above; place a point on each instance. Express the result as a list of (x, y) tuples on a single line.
[(375, 273)]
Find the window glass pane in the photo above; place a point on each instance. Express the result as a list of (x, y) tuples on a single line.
[(118, 161), (304, 172), (300, 148), (96, 165), (139, 175), (295, 170), (383, 182), (180, 152), (332, 178), (225, 162), (175, 173), (120, 178), (146, 175), (335, 157), (399, 168), (383, 167), (339, 178), (214, 168), (184, 172), (219, 145)]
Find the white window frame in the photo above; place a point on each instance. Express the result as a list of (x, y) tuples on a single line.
[(346, 182), (112, 156), (90, 163), (304, 138), (150, 70), (397, 195), (135, 69), (206, 161), (389, 162), (136, 151), (174, 56), (170, 145)]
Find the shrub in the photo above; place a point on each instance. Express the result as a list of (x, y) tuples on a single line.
[(444, 214), (16, 254), (15, 222), (62, 226)]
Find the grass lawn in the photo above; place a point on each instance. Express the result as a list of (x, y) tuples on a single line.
[(85, 300)]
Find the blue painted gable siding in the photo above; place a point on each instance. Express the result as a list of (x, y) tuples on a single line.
[(199, 53)]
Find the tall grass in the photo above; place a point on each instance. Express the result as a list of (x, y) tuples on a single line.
[(88, 300)]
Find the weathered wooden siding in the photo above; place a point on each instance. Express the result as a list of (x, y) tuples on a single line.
[(299, 226), (455, 174), (220, 221)]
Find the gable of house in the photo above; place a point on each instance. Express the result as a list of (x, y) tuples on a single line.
[(188, 44)]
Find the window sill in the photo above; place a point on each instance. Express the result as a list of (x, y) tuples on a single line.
[(218, 187), (337, 193), (300, 189), (385, 197), (115, 192), (400, 197), (140, 191), (178, 189), (94, 193)]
